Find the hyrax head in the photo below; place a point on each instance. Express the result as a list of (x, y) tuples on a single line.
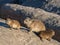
[(27, 21), (52, 32), (8, 21)]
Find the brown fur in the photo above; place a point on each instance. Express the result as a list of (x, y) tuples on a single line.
[(35, 25), (13, 23), (48, 34)]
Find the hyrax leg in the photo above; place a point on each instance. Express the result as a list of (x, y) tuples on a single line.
[(49, 39), (30, 31), (10, 28)]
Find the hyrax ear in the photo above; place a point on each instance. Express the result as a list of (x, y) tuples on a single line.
[(28, 18), (8, 19)]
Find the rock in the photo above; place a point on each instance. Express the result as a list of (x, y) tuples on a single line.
[(19, 1), (52, 6), (21, 37), (48, 5), (34, 3), (2, 2), (15, 11)]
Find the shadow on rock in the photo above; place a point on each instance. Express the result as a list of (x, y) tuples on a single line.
[(4, 25)]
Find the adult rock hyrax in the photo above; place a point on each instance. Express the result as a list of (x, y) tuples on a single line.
[(35, 25), (13, 23), (48, 34)]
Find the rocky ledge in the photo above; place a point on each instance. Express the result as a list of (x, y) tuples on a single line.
[(20, 37)]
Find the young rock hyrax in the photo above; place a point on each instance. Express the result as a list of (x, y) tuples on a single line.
[(48, 34), (13, 23), (34, 25)]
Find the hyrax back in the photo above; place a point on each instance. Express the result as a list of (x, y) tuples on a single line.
[(48, 34), (13, 23), (35, 25)]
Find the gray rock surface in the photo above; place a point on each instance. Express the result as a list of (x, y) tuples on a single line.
[(5, 1), (48, 5), (20, 37), (15, 11), (34, 3), (52, 6)]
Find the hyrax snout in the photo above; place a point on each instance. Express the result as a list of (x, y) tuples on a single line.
[(34, 25)]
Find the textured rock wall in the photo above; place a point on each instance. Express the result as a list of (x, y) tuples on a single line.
[(2, 2)]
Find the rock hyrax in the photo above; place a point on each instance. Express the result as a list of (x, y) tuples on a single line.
[(48, 34), (34, 25), (13, 23)]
